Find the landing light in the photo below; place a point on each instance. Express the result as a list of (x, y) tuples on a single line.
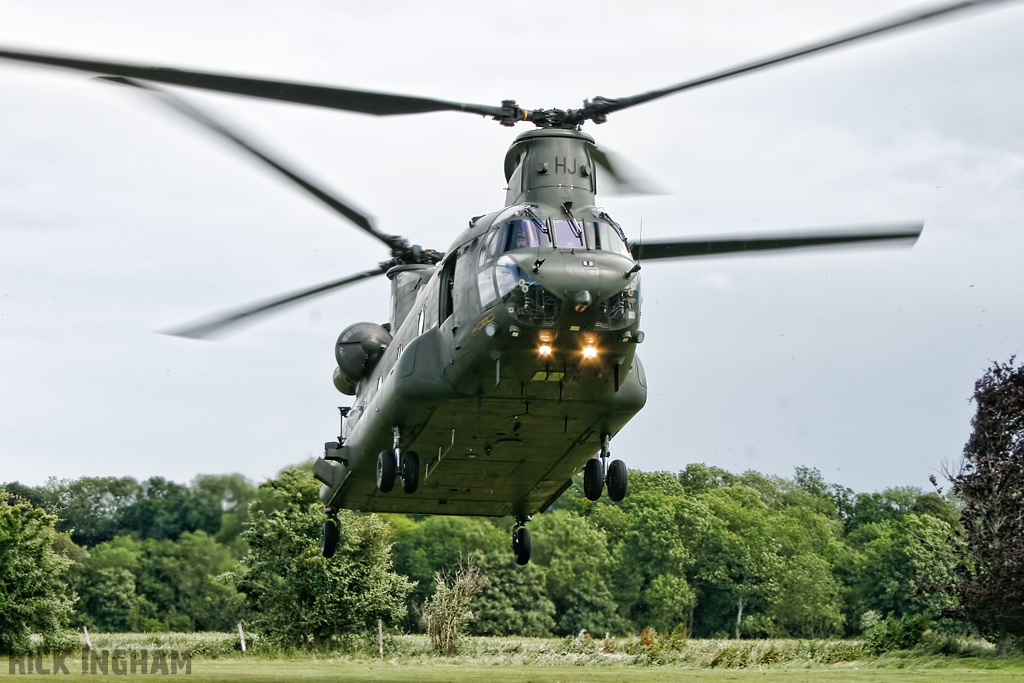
[(590, 352), (544, 350)]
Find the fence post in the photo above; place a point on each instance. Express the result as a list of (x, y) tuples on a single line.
[(380, 636), (88, 643), (241, 636)]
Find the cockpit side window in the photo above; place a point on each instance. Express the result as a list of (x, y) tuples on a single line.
[(526, 233)]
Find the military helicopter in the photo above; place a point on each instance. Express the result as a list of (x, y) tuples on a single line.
[(508, 362)]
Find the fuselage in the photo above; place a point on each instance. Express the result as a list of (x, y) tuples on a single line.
[(511, 358)]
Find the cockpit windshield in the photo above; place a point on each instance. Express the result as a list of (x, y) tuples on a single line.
[(525, 233), (569, 235), (603, 236)]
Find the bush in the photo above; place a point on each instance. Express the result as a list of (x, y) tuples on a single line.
[(445, 614), (904, 633)]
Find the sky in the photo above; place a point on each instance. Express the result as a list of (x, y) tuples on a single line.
[(118, 218)]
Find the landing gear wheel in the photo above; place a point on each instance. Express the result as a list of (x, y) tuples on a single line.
[(329, 536), (409, 470), (521, 544), (593, 479), (617, 480), (386, 471)]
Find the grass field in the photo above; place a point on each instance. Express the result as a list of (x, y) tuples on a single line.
[(240, 670), (215, 657)]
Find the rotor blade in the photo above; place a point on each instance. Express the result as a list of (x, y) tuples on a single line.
[(716, 246), (211, 327), (362, 101), (357, 217), (611, 105), (626, 179)]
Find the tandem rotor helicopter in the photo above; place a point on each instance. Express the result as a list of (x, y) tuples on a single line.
[(508, 362)]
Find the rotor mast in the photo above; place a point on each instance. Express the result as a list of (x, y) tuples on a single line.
[(551, 167)]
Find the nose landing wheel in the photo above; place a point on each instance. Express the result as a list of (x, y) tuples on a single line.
[(599, 472), (397, 462)]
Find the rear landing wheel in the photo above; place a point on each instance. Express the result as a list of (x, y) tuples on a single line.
[(521, 544), (329, 536), (386, 467), (593, 479), (410, 471), (617, 480)]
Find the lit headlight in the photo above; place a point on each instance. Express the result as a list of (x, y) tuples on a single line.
[(590, 352), (544, 350)]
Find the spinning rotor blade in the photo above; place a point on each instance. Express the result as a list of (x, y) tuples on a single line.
[(626, 179), (362, 101), (389, 104), (213, 326), (611, 105), (716, 246), (360, 219)]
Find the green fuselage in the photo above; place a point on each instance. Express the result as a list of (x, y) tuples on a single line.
[(511, 358)]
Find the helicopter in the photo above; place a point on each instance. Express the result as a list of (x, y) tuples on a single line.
[(501, 401)]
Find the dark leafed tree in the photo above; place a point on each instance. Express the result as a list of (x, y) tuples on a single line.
[(990, 482)]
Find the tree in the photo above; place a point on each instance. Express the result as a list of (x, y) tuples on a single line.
[(990, 482), (897, 566), (164, 509), (809, 602), (575, 556), (514, 600), (300, 599), (32, 596), (92, 508), (744, 556), (654, 558), (439, 544)]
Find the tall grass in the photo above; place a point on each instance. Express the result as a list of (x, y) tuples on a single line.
[(646, 649)]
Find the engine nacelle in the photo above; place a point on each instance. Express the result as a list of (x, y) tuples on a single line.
[(357, 351)]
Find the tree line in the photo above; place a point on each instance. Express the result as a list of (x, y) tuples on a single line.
[(702, 552)]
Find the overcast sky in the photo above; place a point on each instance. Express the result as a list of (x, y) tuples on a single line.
[(118, 218)]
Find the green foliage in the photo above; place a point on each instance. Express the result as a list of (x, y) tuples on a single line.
[(578, 565), (514, 600), (702, 553), (129, 585), (990, 482), (96, 509), (904, 633), (32, 597), (440, 543), (901, 567), (298, 598), (445, 613)]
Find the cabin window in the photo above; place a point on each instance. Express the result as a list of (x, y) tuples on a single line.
[(419, 323), (509, 276), (485, 283), (446, 298)]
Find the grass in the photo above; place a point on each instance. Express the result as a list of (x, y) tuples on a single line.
[(256, 670), (216, 657)]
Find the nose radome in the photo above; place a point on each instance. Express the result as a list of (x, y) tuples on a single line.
[(582, 301)]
